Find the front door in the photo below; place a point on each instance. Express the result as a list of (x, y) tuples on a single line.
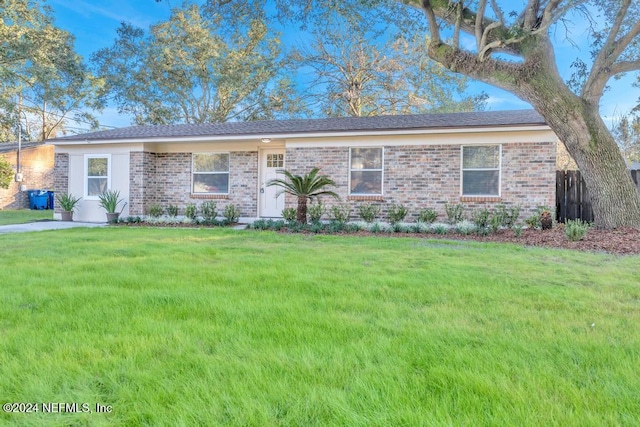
[(272, 160)]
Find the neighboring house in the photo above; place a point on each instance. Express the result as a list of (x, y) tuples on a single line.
[(479, 159), (36, 167)]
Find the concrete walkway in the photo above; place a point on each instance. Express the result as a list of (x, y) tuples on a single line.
[(46, 225)]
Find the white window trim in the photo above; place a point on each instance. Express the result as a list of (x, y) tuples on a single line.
[(228, 172), (499, 169), (86, 173), (381, 170)]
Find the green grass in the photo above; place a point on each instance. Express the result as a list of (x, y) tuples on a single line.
[(182, 327), (22, 216)]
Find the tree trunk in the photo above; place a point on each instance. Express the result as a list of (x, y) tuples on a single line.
[(578, 124), (614, 197), (301, 215)]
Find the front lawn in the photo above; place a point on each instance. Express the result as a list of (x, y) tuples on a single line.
[(22, 216), (221, 327)]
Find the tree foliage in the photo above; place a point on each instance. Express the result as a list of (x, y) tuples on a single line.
[(355, 73), (40, 70), (195, 68), (627, 134)]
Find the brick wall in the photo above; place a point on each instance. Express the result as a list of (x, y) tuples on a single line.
[(165, 178), (429, 176), (37, 168), (61, 174)]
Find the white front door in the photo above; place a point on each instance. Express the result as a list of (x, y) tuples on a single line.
[(272, 160)]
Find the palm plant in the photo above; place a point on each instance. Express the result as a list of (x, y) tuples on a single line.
[(305, 188)]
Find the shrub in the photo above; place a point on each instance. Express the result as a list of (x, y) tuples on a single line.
[(480, 218), (507, 216), (6, 173), (352, 228), (191, 211), (397, 213), (260, 224), (231, 214), (576, 229), (465, 227), (454, 212), (315, 212), (440, 228), (397, 227), (368, 212), (289, 214), (172, 211), (427, 216), (155, 211), (376, 228), (517, 230), (340, 213), (495, 223), (209, 211)]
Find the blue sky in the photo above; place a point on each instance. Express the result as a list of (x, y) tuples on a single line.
[(94, 25)]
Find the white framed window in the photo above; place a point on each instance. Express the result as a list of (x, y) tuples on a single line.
[(366, 170), (481, 170), (210, 173), (97, 174)]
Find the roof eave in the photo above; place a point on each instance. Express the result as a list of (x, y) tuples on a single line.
[(301, 135)]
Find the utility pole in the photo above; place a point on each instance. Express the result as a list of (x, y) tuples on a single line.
[(18, 177)]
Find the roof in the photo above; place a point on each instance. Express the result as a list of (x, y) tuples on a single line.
[(307, 126), (7, 147)]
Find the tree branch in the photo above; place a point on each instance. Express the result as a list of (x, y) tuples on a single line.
[(604, 65)]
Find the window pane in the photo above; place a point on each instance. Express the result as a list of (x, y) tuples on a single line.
[(96, 186), (366, 182), (211, 162), (97, 166), (480, 183), (211, 183), (366, 158), (481, 157)]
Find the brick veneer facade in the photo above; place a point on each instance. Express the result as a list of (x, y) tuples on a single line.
[(165, 178), (420, 177), (415, 176)]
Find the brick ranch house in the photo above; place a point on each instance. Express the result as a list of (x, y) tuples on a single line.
[(422, 161)]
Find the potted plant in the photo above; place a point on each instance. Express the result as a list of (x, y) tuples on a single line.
[(110, 200), (68, 203)]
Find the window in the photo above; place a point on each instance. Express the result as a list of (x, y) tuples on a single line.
[(275, 160), (98, 179), (211, 173), (366, 171), (481, 170)]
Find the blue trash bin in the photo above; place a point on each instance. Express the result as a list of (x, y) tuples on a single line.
[(31, 194), (50, 205), (40, 200)]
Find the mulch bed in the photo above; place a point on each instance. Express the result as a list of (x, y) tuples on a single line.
[(620, 241)]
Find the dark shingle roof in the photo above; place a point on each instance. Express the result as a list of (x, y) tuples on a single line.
[(7, 147), (305, 126)]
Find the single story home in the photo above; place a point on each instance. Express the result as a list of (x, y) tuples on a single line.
[(36, 172), (479, 159)]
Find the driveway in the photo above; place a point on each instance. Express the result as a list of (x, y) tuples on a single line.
[(46, 225)]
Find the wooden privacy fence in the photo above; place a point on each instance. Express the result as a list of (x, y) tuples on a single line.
[(572, 197)]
